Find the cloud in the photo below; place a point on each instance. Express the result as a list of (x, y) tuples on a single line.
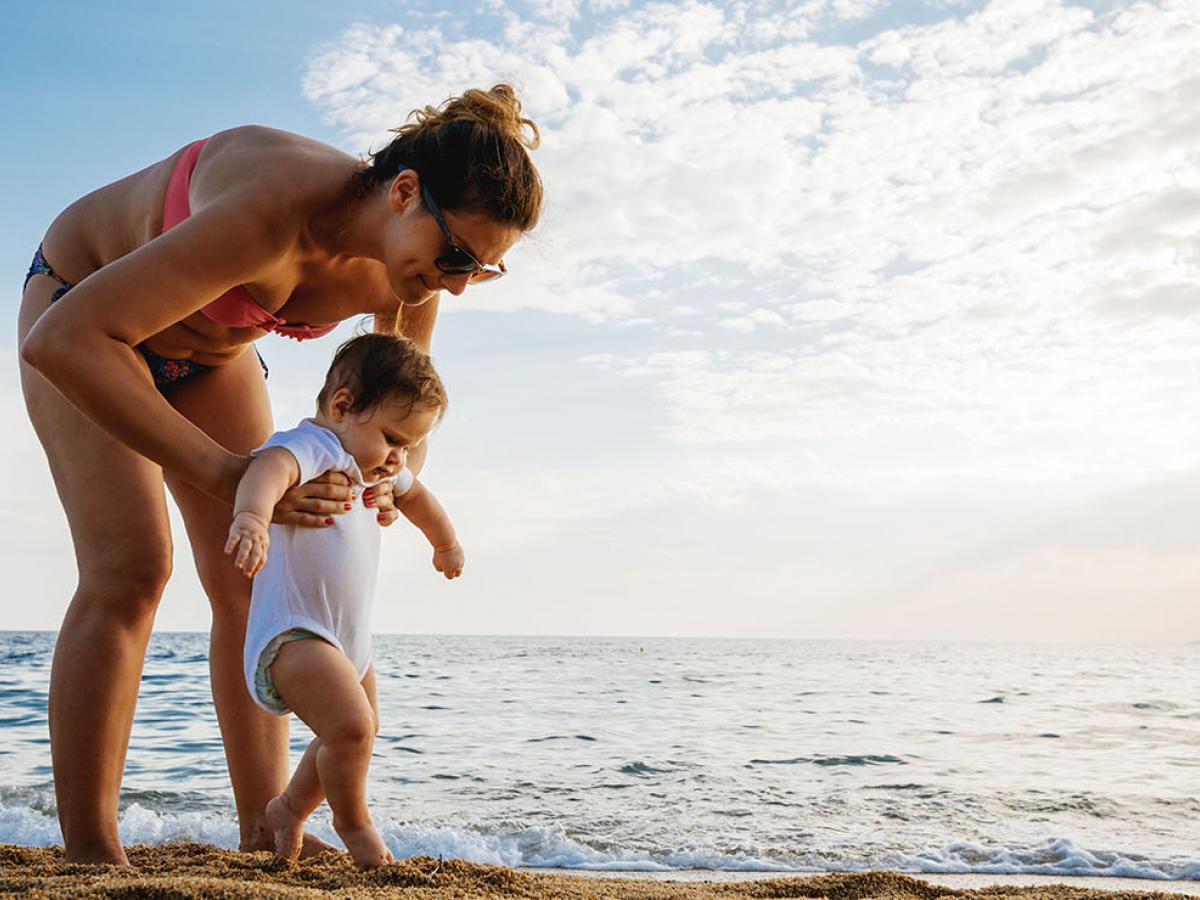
[(981, 225)]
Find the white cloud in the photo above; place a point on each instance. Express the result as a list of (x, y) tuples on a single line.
[(984, 226), (752, 320)]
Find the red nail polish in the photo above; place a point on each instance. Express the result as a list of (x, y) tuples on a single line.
[(347, 506), (329, 521)]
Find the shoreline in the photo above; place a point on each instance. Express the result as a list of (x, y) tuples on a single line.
[(185, 870)]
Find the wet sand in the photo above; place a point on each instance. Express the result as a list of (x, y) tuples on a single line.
[(200, 870)]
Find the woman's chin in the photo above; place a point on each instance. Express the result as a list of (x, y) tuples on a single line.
[(421, 293)]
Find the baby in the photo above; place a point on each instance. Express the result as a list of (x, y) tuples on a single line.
[(308, 643)]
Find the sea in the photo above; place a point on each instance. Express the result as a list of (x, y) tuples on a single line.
[(657, 755)]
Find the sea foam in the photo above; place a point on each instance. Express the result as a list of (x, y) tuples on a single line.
[(550, 847)]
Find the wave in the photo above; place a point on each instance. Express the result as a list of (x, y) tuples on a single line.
[(550, 846)]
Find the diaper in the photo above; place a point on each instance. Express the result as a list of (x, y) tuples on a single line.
[(263, 688)]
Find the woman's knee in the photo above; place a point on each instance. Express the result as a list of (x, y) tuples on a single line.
[(126, 584), (228, 593)]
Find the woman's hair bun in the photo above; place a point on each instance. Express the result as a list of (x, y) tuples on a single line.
[(471, 154), (498, 108)]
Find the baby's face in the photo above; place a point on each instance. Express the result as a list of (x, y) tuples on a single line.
[(379, 439)]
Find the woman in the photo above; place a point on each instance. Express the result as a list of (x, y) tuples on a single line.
[(136, 328)]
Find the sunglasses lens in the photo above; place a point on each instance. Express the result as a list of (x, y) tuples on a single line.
[(456, 262), (485, 275)]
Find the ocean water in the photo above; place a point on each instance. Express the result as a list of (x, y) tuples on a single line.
[(656, 754)]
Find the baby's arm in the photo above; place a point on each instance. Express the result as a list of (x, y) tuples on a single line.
[(269, 475), (422, 509)]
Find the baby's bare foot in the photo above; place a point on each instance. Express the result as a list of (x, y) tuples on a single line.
[(365, 846), (287, 827)]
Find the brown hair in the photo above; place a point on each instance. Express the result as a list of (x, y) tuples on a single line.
[(377, 368), (470, 153)]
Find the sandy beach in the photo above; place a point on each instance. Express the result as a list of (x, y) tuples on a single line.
[(199, 870)]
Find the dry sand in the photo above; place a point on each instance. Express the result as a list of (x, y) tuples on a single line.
[(199, 870)]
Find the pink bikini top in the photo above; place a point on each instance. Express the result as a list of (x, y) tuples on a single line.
[(235, 308)]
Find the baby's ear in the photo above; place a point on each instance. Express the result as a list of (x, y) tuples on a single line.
[(340, 404)]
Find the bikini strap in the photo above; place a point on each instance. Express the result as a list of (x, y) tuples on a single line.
[(39, 266), (175, 200)]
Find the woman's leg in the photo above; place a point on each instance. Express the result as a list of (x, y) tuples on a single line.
[(231, 405), (320, 684), (115, 507)]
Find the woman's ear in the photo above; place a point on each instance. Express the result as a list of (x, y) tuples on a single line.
[(404, 190)]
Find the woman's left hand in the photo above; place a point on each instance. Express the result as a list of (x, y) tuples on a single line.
[(379, 497)]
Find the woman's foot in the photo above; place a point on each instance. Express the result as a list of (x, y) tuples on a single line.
[(314, 846), (97, 854), (286, 827), (366, 846)]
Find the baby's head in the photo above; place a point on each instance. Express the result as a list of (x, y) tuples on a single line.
[(381, 397)]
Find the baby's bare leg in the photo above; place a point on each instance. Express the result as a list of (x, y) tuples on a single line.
[(287, 812), (320, 684)]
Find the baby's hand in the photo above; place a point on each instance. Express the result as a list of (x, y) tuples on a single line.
[(248, 536), (449, 562)]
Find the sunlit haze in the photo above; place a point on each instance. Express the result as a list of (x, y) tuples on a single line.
[(845, 318)]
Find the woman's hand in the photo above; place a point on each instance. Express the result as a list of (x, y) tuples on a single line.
[(315, 503), (381, 498)]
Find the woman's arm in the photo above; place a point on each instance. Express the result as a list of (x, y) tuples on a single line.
[(267, 478), (85, 343), (415, 323)]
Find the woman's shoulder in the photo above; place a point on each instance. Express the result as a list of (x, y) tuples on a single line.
[(262, 139), (274, 170)]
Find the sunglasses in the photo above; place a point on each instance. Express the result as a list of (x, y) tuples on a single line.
[(457, 260)]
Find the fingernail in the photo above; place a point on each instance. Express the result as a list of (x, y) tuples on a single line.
[(347, 506), (329, 521)]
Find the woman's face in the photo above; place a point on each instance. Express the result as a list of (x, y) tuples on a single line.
[(414, 241)]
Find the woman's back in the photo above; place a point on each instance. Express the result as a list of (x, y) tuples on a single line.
[(296, 187)]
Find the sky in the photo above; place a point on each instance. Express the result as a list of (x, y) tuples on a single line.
[(844, 319)]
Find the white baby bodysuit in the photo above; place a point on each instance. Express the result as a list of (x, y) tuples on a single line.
[(320, 579)]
